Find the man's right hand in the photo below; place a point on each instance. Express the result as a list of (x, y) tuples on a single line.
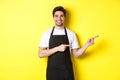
[(62, 47), (44, 52)]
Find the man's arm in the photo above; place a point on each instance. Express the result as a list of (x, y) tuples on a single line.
[(45, 52), (79, 51)]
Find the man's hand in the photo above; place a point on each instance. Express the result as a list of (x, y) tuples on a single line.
[(91, 40), (62, 47)]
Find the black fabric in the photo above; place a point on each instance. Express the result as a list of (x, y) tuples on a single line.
[(59, 64)]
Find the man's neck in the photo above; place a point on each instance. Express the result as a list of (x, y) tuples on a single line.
[(59, 27)]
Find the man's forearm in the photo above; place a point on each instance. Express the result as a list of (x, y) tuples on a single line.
[(80, 51), (47, 52)]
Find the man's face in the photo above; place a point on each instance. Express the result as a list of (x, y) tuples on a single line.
[(59, 18)]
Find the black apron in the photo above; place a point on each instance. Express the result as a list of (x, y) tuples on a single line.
[(59, 66)]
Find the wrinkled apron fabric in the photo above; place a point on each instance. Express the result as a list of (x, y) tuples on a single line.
[(59, 66)]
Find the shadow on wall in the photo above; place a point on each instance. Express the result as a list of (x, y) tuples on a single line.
[(68, 18)]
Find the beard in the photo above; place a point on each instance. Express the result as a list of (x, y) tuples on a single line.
[(59, 24)]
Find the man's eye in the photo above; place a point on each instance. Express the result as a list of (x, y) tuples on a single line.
[(56, 15)]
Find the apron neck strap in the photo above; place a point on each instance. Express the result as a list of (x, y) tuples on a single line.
[(64, 30)]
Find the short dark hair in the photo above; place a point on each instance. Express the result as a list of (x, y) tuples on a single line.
[(59, 8)]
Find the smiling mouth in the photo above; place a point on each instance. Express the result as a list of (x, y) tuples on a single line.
[(59, 21)]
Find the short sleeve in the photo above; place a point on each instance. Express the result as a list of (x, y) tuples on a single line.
[(44, 42), (75, 43)]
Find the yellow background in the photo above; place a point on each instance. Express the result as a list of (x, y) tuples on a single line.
[(22, 23)]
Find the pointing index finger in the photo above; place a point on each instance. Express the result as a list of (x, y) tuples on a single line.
[(67, 45), (95, 36)]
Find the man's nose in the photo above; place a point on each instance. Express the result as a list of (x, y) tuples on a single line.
[(59, 18)]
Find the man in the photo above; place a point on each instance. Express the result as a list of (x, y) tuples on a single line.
[(56, 44)]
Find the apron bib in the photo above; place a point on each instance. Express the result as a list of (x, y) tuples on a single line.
[(59, 66)]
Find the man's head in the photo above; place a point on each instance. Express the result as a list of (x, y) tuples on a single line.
[(59, 8), (59, 14)]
